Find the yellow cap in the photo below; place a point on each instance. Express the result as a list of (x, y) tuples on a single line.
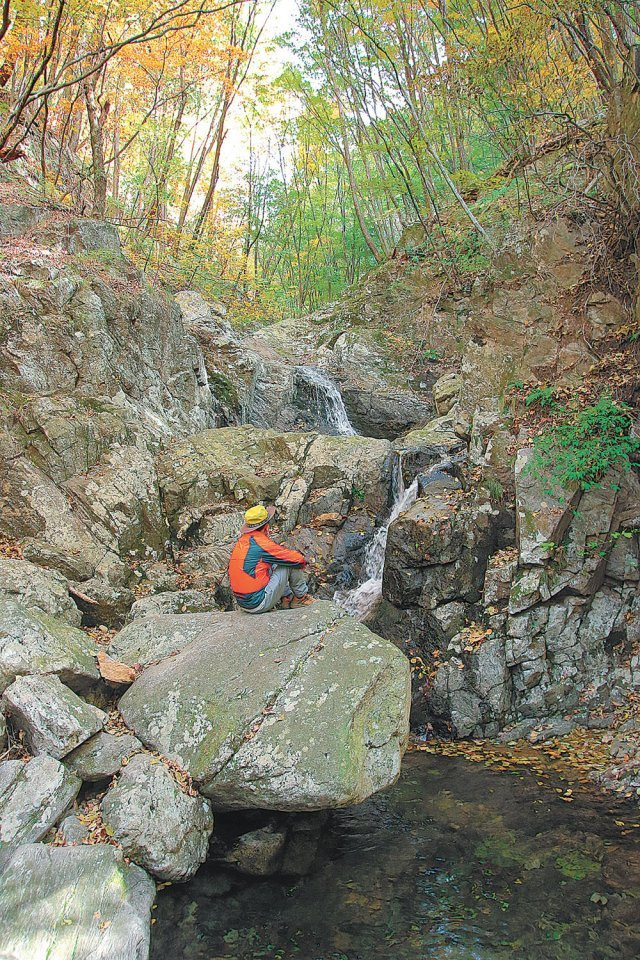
[(256, 516)]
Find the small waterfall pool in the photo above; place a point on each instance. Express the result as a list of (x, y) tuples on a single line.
[(456, 862)]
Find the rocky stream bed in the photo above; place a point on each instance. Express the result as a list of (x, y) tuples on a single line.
[(150, 733)]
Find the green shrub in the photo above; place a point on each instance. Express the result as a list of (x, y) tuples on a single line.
[(584, 444), (542, 396)]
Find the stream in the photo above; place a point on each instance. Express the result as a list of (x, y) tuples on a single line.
[(456, 862)]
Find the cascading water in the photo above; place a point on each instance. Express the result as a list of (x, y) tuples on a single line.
[(360, 601), (326, 399)]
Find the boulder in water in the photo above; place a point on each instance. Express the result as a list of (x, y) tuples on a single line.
[(83, 902), (156, 821), (291, 710)]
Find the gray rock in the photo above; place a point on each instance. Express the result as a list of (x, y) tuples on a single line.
[(497, 583), (180, 601), (33, 797), (110, 603), (446, 391), (92, 236), (294, 710), (3, 733), (54, 719), (17, 218), (72, 830), (46, 555), (437, 551), (31, 642), (258, 853), (158, 824), (44, 590), (542, 516), (83, 902), (101, 756)]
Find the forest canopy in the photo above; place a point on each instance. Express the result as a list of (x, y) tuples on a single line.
[(272, 164)]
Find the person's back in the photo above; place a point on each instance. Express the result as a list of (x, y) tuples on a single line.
[(262, 572)]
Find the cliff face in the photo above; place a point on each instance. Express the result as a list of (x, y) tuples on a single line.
[(96, 370)]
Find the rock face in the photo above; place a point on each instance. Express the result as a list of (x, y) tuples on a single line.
[(297, 710), (96, 370), (557, 618), (31, 642), (33, 797), (333, 486), (54, 719), (158, 824), (79, 901)]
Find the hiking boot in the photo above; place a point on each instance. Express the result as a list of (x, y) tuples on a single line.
[(285, 603), (302, 601)]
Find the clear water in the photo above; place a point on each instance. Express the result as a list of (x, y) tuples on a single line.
[(456, 862)]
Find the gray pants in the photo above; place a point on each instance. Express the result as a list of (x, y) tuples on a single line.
[(283, 582)]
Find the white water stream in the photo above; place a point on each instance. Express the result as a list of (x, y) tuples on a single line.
[(361, 600), (328, 400)]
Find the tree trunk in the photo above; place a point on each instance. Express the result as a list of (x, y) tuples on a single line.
[(97, 152)]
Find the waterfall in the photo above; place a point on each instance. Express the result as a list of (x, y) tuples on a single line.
[(327, 400), (361, 601)]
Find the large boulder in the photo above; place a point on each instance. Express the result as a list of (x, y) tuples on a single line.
[(83, 902), (44, 590), (54, 719), (158, 822), (296, 710), (33, 797), (31, 642)]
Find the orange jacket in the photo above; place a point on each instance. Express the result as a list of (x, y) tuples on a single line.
[(250, 565)]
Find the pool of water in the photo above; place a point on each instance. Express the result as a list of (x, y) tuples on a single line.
[(456, 862)]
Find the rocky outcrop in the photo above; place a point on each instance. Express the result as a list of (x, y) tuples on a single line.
[(33, 797), (265, 379), (53, 718), (96, 370), (557, 622), (82, 901), (328, 490), (298, 710), (158, 823), (31, 642)]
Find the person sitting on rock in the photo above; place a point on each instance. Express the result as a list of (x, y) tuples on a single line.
[(261, 572)]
